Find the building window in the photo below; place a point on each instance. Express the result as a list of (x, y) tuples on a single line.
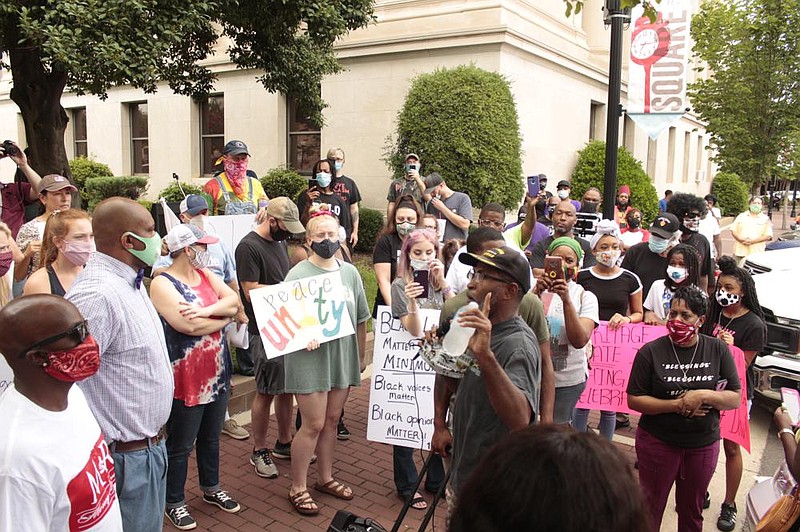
[(80, 142), (212, 132), (596, 116), (140, 159), (304, 141)]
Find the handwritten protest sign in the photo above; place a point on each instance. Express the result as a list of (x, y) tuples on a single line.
[(6, 375), (401, 391), (291, 314), (614, 352)]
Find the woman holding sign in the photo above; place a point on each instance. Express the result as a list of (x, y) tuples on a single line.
[(736, 319), (321, 376), (679, 383)]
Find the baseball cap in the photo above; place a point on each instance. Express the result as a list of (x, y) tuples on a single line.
[(193, 204), (563, 183), (410, 155), (665, 225), (505, 259), (184, 235), (286, 211), (53, 182), (235, 147), (432, 181)]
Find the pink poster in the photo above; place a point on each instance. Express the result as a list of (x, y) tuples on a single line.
[(614, 352)]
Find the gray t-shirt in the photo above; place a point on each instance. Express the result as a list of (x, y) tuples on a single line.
[(435, 300), (459, 203), (476, 426)]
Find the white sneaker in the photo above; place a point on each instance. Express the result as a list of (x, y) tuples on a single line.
[(234, 430)]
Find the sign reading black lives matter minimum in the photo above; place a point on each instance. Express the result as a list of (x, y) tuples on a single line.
[(401, 390)]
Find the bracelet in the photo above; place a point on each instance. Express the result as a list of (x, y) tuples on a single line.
[(785, 430)]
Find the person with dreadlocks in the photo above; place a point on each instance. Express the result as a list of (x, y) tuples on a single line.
[(689, 210), (683, 269), (736, 318)]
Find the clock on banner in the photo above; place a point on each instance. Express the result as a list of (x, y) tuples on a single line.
[(649, 43)]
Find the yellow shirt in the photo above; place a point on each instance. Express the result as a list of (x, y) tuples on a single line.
[(752, 226)]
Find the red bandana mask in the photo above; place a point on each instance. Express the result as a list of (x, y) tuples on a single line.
[(236, 172), (76, 364), (680, 332)]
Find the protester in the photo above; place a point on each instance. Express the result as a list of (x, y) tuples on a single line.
[(195, 305), (9, 252), (263, 260), (751, 230), (619, 298), (709, 227), (346, 189), (564, 218), (689, 209), (67, 246), (633, 233), (419, 253), (548, 209), (131, 395), (572, 315), (404, 219), (591, 201), (543, 197), (679, 383), (505, 396), (711, 200), (662, 203), (14, 197), (622, 207), (429, 222), (785, 426), (57, 472), (525, 235), (321, 376), (683, 269), (320, 191), (452, 209), (540, 478), (411, 184), (55, 193), (236, 190), (736, 318), (648, 260)]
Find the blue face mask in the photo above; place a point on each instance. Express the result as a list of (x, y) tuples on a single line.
[(338, 166), (657, 244), (323, 179)]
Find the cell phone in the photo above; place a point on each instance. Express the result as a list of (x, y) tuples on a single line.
[(423, 278), (554, 268), (791, 401), (533, 185)]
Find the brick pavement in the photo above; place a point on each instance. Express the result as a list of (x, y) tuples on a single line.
[(365, 466)]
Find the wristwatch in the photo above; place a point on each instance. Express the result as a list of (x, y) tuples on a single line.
[(785, 430)]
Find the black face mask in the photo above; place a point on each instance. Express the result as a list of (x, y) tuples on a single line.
[(634, 223), (590, 206), (326, 248), (277, 233)]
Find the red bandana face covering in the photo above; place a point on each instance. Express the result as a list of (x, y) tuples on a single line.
[(680, 332), (76, 364), (236, 171)]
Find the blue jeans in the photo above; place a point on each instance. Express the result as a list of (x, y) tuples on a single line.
[(186, 424), (405, 472), (608, 422), (565, 401), (141, 487)]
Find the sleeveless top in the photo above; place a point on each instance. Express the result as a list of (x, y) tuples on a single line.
[(55, 285), (201, 364)]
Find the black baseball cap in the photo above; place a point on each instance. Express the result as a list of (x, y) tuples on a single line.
[(506, 260), (563, 183), (235, 147), (665, 225)]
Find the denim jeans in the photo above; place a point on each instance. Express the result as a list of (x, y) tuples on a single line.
[(608, 422), (405, 471), (187, 423), (141, 487), (565, 401)]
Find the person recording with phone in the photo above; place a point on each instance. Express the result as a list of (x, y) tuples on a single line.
[(15, 196), (409, 184), (320, 190)]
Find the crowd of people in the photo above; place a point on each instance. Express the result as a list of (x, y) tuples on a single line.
[(153, 361)]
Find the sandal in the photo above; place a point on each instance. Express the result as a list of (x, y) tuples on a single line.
[(417, 502), (303, 503), (335, 488)]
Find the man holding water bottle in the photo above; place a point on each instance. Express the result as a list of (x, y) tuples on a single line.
[(502, 393)]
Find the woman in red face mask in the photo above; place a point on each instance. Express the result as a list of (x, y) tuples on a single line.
[(679, 383)]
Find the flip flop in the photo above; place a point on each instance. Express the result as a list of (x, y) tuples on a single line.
[(302, 501), (335, 488), (418, 502)]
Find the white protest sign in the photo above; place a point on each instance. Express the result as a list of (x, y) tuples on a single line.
[(6, 375), (401, 390), (230, 229), (292, 313)]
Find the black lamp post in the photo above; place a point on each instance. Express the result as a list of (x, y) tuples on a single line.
[(793, 214)]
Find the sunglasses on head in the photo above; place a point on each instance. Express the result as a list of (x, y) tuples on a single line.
[(79, 332)]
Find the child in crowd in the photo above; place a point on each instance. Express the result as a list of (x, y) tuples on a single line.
[(683, 269)]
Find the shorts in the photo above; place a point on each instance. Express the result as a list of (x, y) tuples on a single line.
[(269, 374)]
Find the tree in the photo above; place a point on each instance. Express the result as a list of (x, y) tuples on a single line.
[(752, 50), (91, 46), (463, 124)]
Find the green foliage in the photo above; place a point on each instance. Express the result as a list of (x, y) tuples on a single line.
[(576, 6), (732, 193), (463, 124), (370, 280), (100, 188), (370, 223), (590, 169), (82, 169), (284, 181), (172, 192), (752, 50)]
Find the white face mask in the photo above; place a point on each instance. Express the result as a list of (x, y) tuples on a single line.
[(678, 274), (418, 264), (563, 194), (608, 258)]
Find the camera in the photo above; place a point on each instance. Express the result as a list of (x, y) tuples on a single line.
[(10, 148)]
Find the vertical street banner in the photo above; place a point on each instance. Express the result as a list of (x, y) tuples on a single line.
[(658, 64), (401, 389)]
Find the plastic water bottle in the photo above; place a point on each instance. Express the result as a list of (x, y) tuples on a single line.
[(456, 340)]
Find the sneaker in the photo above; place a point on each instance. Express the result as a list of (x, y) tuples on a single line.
[(727, 517), (263, 463), (341, 431), (707, 501), (223, 500), (623, 420), (234, 430), (284, 452), (181, 518)]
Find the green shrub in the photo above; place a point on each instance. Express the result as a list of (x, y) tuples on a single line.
[(590, 171), (370, 224), (463, 124), (83, 169), (368, 277), (284, 181), (172, 193), (100, 188), (732, 193)]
